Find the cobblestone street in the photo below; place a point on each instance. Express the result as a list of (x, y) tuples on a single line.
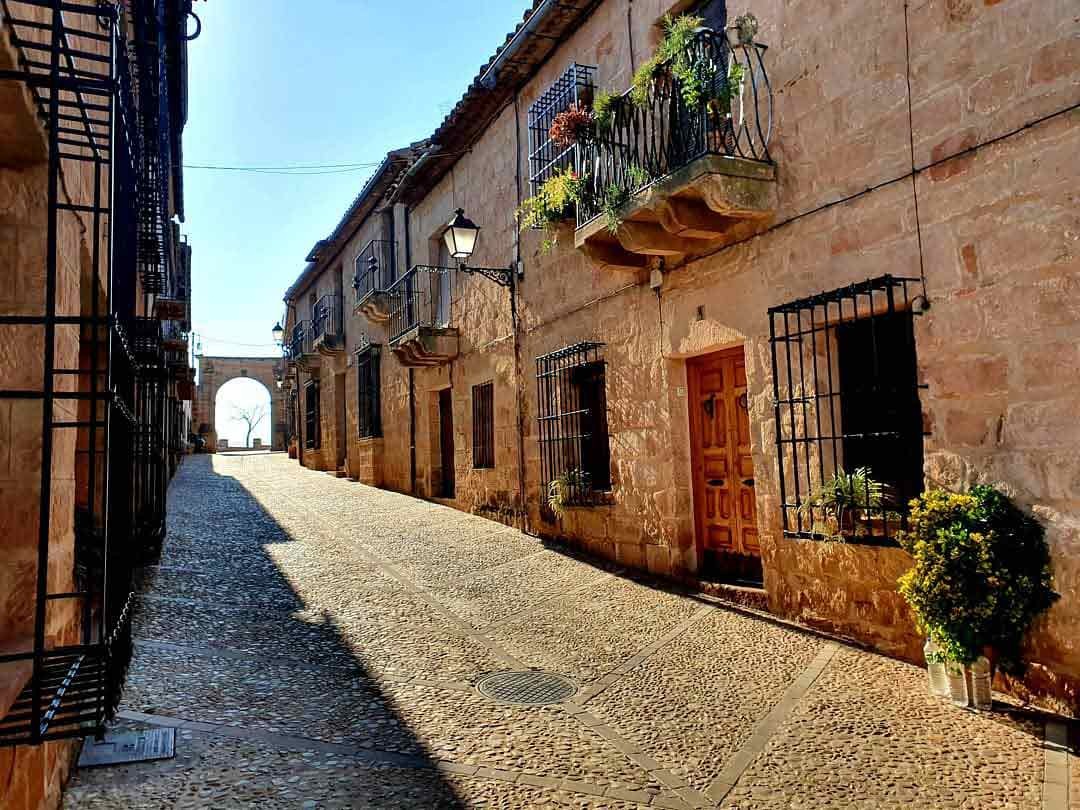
[(317, 643)]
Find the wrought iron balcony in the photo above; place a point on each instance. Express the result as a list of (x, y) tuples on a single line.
[(680, 170), (421, 307), (301, 347), (374, 275), (327, 332)]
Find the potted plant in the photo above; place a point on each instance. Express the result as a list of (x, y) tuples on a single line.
[(552, 204), (846, 502), (575, 124), (563, 489), (981, 576)]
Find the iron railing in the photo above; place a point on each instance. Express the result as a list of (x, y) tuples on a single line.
[(422, 297), (644, 141), (374, 268), (326, 321), (300, 342)]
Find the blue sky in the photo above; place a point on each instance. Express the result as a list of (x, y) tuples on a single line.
[(286, 82)]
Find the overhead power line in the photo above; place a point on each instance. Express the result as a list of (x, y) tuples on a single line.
[(293, 170)]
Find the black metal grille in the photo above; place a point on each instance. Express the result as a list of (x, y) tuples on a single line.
[(573, 432), (546, 157), (90, 82), (374, 268), (483, 425), (312, 424), (369, 416), (644, 142), (421, 297), (847, 411), (300, 342), (326, 322)]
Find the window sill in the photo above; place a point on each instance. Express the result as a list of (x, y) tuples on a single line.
[(873, 541)]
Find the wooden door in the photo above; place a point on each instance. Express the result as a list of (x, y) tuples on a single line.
[(723, 467), (446, 444)]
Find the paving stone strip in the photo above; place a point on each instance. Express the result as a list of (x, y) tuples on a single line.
[(738, 763), (1056, 766)]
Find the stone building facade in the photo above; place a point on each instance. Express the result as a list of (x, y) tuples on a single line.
[(911, 222), (94, 378)]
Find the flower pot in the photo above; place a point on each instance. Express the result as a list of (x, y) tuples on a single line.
[(958, 683), (938, 681), (981, 695)]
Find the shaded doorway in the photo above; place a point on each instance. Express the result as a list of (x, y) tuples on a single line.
[(725, 508), (341, 446), (446, 444)]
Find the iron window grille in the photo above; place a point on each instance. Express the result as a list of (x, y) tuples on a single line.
[(846, 398), (312, 424), (572, 417), (483, 425), (546, 157), (102, 77), (326, 323), (369, 416)]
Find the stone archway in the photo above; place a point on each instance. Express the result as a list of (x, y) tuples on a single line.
[(214, 372)]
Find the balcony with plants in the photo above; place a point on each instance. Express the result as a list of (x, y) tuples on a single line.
[(372, 278), (673, 167), (420, 330)]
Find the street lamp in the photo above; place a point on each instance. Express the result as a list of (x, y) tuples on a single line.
[(460, 238), (278, 332)]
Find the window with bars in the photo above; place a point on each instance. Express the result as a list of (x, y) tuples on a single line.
[(849, 428), (483, 425), (573, 429), (312, 425), (546, 157), (369, 417)]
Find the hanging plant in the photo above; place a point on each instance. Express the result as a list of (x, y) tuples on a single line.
[(675, 55), (573, 125), (604, 111), (553, 202), (745, 28), (616, 195), (981, 574)]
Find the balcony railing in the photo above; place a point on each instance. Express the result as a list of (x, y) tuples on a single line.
[(326, 322), (420, 298), (300, 341), (374, 268), (643, 142)]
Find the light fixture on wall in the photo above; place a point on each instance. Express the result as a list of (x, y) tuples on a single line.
[(460, 238), (277, 332)]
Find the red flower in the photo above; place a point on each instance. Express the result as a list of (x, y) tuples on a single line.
[(572, 125)]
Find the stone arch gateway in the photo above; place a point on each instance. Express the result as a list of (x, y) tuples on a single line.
[(214, 372)]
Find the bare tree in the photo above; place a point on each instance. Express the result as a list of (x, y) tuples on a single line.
[(251, 416)]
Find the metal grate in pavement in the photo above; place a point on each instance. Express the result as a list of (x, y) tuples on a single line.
[(528, 688)]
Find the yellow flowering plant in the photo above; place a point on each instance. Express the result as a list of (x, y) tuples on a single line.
[(981, 574)]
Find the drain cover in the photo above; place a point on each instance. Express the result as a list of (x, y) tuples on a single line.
[(132, 746), (529, 688)]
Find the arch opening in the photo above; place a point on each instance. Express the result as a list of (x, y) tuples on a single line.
[(243, 414)]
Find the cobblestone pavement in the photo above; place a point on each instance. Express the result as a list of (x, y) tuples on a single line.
[(317, 643)]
